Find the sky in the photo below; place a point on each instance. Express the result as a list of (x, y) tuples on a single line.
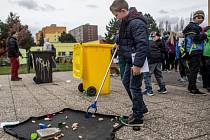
[(73, 13)]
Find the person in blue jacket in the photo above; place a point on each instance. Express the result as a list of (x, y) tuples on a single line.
[(194, 43)]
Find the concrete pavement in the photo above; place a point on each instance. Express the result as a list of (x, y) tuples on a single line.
[(173, 116)]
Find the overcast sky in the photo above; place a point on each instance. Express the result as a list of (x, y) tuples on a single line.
[(73, 13)]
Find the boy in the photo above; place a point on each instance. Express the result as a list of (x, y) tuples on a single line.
[(155, 47), (133, 38), (13, 54), (194, 43)]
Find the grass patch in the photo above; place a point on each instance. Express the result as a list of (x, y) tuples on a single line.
[(4, 70)]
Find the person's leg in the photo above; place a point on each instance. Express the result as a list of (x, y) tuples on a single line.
[(148, 83), (17, 68), (172, 60), (208, 73), (12, 63), (122, 65), (14, 68), (194, 65), (203, 71), (126, 82), (137, 98), (159, 78), (167, 61), (163, 61), (126, 79)]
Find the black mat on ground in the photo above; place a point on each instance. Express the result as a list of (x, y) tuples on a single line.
[(89, 128)]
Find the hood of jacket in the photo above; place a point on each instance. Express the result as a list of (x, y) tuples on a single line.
[(134, 14)]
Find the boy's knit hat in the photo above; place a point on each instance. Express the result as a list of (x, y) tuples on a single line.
[(199, 13)]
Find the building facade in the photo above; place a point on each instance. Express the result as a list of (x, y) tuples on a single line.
[(85, 33), (51, 32)]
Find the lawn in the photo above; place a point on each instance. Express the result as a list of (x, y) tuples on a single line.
[(23, 69)]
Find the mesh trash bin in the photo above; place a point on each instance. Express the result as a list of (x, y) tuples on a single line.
[(90, 62), (42, 61)]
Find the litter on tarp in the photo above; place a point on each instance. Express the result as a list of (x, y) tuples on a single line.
[(81, 127), (8, 123), (48, 133)]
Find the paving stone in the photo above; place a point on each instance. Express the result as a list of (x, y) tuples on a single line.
[(179, 116), (127, 133)]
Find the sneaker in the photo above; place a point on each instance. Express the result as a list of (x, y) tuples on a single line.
[(181, 79), (148, 93), (136, 122), (162, 91), (197, 92)]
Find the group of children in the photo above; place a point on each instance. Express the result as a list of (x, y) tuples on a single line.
[(134, 38)]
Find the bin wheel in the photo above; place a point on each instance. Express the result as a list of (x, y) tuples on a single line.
[(36, 81), (80, 87), (91, 91)]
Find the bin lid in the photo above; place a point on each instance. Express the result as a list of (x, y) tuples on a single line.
[(97, 45)]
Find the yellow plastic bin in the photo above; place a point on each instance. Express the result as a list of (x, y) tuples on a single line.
[(90, 62)]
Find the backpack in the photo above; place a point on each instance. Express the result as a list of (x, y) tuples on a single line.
[(206, 50)]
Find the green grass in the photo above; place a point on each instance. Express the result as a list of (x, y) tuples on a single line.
[(23, 69)]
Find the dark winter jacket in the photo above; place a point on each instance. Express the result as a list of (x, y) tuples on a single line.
[(155, 51), (13, 50), (193, 34), (133, 38), (171, 47), (165, 47)]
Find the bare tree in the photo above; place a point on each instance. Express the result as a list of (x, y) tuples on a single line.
[(181, 24), (160, 26), (176, 27), (166, 25), (169, 27), (191, 16)]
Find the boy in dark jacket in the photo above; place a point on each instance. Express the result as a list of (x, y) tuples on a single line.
[(194, 43), (155, 47), (13, 54), (133, 41)]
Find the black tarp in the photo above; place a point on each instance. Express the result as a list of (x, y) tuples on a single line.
[(89, 128)]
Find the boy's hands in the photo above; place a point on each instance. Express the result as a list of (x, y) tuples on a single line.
[(116, 46), (136, 70)]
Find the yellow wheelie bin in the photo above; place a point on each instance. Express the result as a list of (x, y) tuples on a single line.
[(90, 62)]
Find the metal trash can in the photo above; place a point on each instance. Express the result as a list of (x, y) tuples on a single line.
[(42, 61)]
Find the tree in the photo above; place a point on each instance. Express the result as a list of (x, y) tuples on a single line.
[(41, 40), (3, 30), (166, 25), (176, 27), (151, 24), (67, 38), (191, 17), (25, 39), (112, 29), (181, 24), (169, 27)]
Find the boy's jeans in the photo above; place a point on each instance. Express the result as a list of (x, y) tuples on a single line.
[(122, 65), (156, 69), (132, 85)]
